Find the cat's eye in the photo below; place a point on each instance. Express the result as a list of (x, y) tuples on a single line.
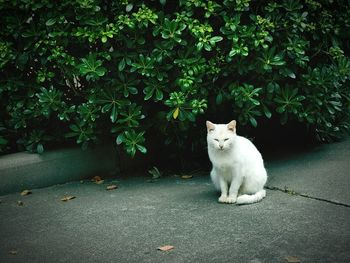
[(216, 140), (226, 139)]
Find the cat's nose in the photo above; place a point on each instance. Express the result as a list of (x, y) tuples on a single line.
[(221, 147)]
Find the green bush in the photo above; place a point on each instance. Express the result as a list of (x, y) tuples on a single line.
[(84, 70)]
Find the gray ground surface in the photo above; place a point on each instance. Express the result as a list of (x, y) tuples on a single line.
[(322, 173), (129, 223)]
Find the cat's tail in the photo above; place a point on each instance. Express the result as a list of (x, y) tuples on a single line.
[(249, 199)]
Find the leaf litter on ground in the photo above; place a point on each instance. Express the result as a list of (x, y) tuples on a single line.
[(190, 174), (292, 259), (156, 174), (97, 179), (67, 198), (26, 192), (166, 248), (111, 187)]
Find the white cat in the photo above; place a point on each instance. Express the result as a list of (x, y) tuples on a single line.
[(238, 168)]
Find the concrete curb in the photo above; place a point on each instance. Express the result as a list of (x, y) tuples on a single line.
[(24, 170)]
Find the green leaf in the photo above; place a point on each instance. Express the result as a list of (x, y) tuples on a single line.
[(133, 90), (148, 95), (91, 68), (114, 113), (50, 22), (244, 51), (141, 148), (106, 108), (131, 151), (253, 121), (121, 65), (159, 94), (254, 101), (281, 109), (199, 45), (216, 39), (232, 53), (40, 148), (104, 39), (219, 98), (100, 71), (278, 62), (141, 40), (23, 58), (267, 112), (287, 72), (74, 127), (129, 7), (120, 139), (292, 75), (190, 116), (207, 47)]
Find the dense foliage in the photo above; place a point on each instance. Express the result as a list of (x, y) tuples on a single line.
[(82, 70)]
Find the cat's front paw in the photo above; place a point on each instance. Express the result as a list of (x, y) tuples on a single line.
[(223, 199), (231, 200)]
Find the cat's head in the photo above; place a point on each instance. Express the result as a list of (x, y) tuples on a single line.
[(221, 136)]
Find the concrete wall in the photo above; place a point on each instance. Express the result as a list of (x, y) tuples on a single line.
[(23, 170)]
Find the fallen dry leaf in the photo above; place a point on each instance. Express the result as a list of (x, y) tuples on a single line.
[(166, 248), (67, 198), (19, 203), (96, 178), (26, 192), (99, 182), (111, 187), (292, 259), (13, 252), (186, 176)]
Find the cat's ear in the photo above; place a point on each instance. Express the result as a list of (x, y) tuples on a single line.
[(232, 125), (210, 126)]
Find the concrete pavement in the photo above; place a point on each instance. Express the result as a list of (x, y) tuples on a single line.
[(129, 223), (324, 172)]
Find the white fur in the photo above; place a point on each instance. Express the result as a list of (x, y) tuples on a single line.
[(238, 168)]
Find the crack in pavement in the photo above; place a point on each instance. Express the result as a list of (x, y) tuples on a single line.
[(292, 192)]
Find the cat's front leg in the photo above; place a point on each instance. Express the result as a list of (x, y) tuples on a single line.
[(224, 190), (233, 191)]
